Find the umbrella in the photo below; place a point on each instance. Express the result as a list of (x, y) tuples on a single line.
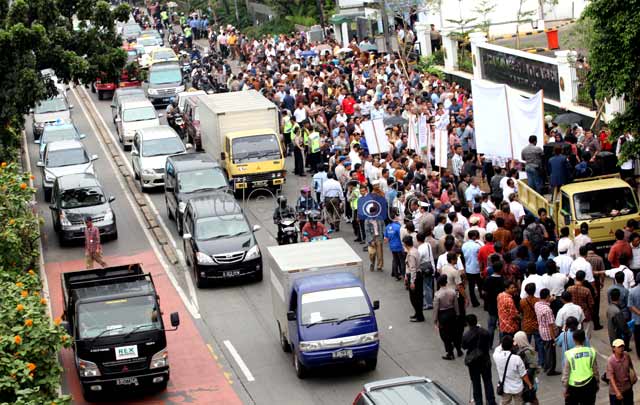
[(568, 119), (306, 54), (323, 47), (172, 4), (343, 50), (394, 120), (366, 47)]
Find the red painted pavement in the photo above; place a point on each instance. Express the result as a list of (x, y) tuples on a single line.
[(195, 376)]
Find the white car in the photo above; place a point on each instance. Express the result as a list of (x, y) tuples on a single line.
[(149, 152), (133, 115), (61, 158)]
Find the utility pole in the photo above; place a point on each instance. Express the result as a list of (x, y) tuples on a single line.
[(385, 25), (320, 12)]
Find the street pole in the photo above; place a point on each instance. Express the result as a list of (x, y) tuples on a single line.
[(235, 3), (320, 12), (385, 26)]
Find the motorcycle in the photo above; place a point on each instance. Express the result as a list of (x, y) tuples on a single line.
[(287, 231), (316, 238)]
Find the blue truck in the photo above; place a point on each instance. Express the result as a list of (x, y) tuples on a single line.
[(322, 309)]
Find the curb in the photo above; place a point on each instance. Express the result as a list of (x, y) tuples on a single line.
[(534, 32), (158, 233)]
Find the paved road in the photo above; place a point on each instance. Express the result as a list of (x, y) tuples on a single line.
[(236, 318)]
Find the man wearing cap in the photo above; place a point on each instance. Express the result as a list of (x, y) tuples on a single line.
[(92, 245), (619, 366), (580, 376)]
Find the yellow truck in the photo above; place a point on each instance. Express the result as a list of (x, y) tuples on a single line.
[(242, 129), (605, 203)]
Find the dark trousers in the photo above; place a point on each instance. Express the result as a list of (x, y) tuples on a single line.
[(447, 326), (355, 223), (474, 280), (299, 161), (482, 374), (397, 265), (582, 395), (288, 142), (627, 398), (636, 336), (415, 295), (549, 355), (314, 161)]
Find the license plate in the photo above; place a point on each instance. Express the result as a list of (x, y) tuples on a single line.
[(127, 381), (260, 183), (126, 352), (343, 354), (231, 273)]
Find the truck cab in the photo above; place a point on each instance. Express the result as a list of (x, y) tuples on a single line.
[(114, 317), (253, 159)]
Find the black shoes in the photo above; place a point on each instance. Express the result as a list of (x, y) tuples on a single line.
[(448, 357)]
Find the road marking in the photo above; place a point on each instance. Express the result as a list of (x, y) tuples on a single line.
[(213, 354), (238, 359), (127, 163), (193, 310)]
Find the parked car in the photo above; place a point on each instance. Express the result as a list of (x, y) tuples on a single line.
[(76, 197), (218, 240), (53, 110), (62, 158), (407, 391), (58, 132), (122, 94), (188, 176), (134, 114), (151, 146)]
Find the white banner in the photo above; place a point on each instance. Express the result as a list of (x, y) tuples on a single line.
[(423, 132), (527, 118), (412, 134), (376, 137), (441, 146)]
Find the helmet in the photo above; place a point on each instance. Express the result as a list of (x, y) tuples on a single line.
[(314, 216), (305, 190), (282, 201)]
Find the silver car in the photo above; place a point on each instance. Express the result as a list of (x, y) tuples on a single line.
[(62, 158), (151, 147), (50, 111)]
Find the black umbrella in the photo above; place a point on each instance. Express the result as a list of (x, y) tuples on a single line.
[(394, 120), (568, 119)]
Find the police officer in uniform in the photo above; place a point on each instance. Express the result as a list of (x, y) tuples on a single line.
[(580, 376), (298, 148), (314, 149), (287, 130)]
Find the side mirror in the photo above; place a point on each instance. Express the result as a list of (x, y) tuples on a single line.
[(94, 157), (186, 236), (118, 119), (112, 199), (222, 156), (175, 319), (567, 219), (82, 136), (291, 316), (135, 153), (376, 305), (40, 163), (37, 141), (256, 228)]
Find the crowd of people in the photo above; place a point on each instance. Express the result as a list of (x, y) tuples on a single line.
[(459, 236)]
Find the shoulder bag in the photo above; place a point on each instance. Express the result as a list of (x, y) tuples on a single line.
[(500, 387)]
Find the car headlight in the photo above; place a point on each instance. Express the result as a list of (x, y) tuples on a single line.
[(148, 171), (63, 219), (108, 217), (49, 177), (369, 337), (153, 92), (88, 368), (253, 253), (181, 207), (179, 89), (310, 346), (160, 359), (204, 259)]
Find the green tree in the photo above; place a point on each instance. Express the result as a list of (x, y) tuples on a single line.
[(614, 46), (485, 8)]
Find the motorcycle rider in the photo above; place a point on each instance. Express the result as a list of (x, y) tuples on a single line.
[(314, 228), (282, 211), (171, 111)]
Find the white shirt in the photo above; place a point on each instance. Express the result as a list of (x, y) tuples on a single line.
[(515, 370), (628, 282), (635, 260), (492, 226), (426, 254), (300, 114), (555, 283), (581, 264), (535, 279), (442, 261), (567, 310), (354, 158), (517, 210), (566, 244), (489, 207), (578, 242), (564, 262), (506, 192), (331, 188)]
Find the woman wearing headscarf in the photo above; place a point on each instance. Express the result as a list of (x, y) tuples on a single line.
[(530, 360)]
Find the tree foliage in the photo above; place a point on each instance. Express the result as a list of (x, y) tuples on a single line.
[(614, 46)]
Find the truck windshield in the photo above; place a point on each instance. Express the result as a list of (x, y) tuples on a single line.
[(200, 180), (255, 148), (117, 317), (609, 202), (333, 305)]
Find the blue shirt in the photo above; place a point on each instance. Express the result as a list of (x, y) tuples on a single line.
[(470, 252), (634, 301), (392, 233)]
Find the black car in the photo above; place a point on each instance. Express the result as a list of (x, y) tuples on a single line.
[(218, 240), (187, 176), (407, 390), (74, 198)]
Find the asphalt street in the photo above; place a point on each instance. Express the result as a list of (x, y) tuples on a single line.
[(236, 319)]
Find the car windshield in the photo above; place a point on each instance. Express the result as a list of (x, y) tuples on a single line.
[(609, 202), (164, 76), (139, 114), (255, 148), (162, 146), (333, 305), (221, 227), (414, 393), (82, 197), (66, 157), (148, 41), (196, 180), (53, 135), (118, 316), (164, 55), (51, 105), (132, 29)]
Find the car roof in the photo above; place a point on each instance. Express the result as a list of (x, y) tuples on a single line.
[(163, 49), (214, 204), (193, 161), (594, 185), (59, 127), (126, 91), (393, 382), (157, 132), (170, 64), (79, 180), (377, 388), (136, 103), (66, 144)]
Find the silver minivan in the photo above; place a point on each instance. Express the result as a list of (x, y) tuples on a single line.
[(61, 158), (133, 115), (54, 110), (151, 147)]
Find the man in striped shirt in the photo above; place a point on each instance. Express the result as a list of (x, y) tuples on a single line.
[(547, 330), (457, 162)]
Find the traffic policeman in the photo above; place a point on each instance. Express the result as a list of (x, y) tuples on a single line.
[(580, 376)]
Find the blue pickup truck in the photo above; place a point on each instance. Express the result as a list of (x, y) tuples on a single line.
[(322, 309)]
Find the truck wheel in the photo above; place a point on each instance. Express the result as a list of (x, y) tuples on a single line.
[(371, 364), (284, 343), (301, 370)]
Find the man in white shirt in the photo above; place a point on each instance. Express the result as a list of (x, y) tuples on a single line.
[(583, 238), (582, 264), (553, 280), (563, 261), (629, 279), (532, 277), (516, 207), (567, 310), (516, 372)]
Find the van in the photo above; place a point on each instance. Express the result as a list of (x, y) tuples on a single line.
[(133, 115)]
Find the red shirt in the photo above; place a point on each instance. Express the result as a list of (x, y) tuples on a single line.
[(483, 257), (361, 178), (604, 141), (618, 249), (347, 105)]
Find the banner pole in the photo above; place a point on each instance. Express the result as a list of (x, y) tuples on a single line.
[(506, 97), (375, 135)]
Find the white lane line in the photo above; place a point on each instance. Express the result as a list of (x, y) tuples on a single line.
[(193, 310), (165, 228), (238, 359)]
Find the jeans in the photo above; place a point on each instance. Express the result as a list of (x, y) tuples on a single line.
[(474, 279), (549, 355), (482, 374), (627, 398), (492, 325), (534, 179), (427, 287), (539, 346)]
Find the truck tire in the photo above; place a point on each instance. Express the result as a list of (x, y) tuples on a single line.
[(301, 370), (371, 364), (284, 343)]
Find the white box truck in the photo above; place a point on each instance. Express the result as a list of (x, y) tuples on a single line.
[(242, 129), (322, 310)]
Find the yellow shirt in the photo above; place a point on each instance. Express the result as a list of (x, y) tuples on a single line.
[(232, 40)]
